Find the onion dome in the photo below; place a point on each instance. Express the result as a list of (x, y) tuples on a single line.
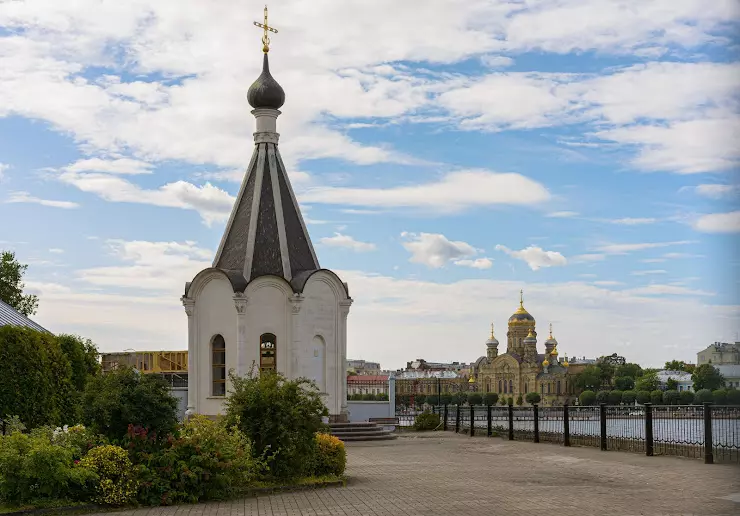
[(471, 379), (545, 363), (265, 92), (521, 316), (530, 336), (554, 352), (565, 361), (492, 341), (551, 340)]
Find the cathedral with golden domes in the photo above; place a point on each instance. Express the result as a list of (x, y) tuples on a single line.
[(522, 369)]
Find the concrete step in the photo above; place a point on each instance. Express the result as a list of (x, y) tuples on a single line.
[(361, 424), (357, 429), (380, 437), (360, 434)]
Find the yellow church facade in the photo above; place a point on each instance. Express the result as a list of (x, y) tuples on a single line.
[(522, 369)]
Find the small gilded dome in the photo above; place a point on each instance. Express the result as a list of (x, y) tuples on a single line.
[(565, 362), (471, 379), (521, 316), (545, 363), (554, 352), (265, 92), (530, 336), (492, 341)]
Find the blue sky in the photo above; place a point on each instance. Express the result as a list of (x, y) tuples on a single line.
[(581, 151)]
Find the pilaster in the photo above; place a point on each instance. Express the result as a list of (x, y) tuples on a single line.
[(240, 303), (296, 303), (189, 305), (342, 366)]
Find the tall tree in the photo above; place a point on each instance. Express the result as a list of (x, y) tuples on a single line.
[(706, 376), (629, 369), (11, 285), (589, 379), (675, 365)]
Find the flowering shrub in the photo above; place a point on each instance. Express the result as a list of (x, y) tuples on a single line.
[(207, 461), (33, 468), (117, 481), (331, 457), (79, 439)]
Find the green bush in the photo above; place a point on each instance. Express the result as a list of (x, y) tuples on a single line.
[(446, 399), (533, 397), (420, 399), (427, 421), (280, 417), (656, 397), (460, 398), (206, 461), (331, 457), (629, 397), (475, 398), (510, 401), (519, 400), (490, 398), (719, 397), (117, 484), (703, 396), (643, 397), (671, 397), (33, 470), (124, 397), (686, 397), (614, 397), (624, 383), (36, 377), (733, 397), (602, 397), (587, 398)]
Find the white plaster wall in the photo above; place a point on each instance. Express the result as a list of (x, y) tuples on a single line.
[(268, 311), (320, 317), (214, 314)]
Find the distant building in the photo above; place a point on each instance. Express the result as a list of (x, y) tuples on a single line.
[(367, 385), (731, 372), (363, 367), (422, 365), (172, 365), (9, 316), (682, 378), (719, 353)]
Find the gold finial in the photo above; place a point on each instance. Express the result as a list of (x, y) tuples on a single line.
[(265, 38), (492, 337), (530, 334), (550, 330), (521, 298)]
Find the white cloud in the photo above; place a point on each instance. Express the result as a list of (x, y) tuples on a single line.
[(671, 290), (589, 257), (496, 61), (153, 266), (56, 250), (629, 221), (347, 242), (653, 260), (649, 272), (563, 214), (435, 250), (628, 248), (25, 197), (212, 203), (536, 257), (455, 191), (111, 166), (478, 263), (717, 191), (607, 283), (719, 223), (3, 168), (682, 255)]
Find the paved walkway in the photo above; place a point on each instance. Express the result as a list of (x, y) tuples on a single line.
[(454, 475)]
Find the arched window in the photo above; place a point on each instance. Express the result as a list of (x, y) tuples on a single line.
[(268, 348), (558, 391), (488, 385), (511, 387), (526, 387), (548, 387), (499, 387), (542, 388), (505, 386), (218, 366)]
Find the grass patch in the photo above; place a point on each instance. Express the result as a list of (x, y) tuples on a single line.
[(48, 504), (303, 482)]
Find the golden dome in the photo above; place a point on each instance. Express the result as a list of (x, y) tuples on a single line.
[(554, 352), (565, 362), (521, 316), (545, 362), (471, 379), (530, 334)]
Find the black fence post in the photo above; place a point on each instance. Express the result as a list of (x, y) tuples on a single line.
[(602, 421), (511, 423), (566, 426), (444, 427), (708, 444), (433, 411), (490, 427), (439, 391), (457, 418), (536, 413), (649, 429), (472, 420)]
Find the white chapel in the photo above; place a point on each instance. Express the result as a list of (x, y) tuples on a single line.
[(266, 302)]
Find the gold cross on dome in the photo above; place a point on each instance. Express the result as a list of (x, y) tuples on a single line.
[(266, 28)]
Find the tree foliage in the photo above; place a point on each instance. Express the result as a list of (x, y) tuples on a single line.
[(490, 398), (35, 378), (656, 397), (124, 397), (648, 382), (280, 416), (532, 397), (719, 396), (519, 400), (629, 397), (602, 397), (706, 376), (675, 365), (624, 383), (475, 398), (733, 397), (703, 396), (589, 379), (11, 285), (629, 369), (615, 397), (643, 397), (671, 384), (686, 397), (671, 397)]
